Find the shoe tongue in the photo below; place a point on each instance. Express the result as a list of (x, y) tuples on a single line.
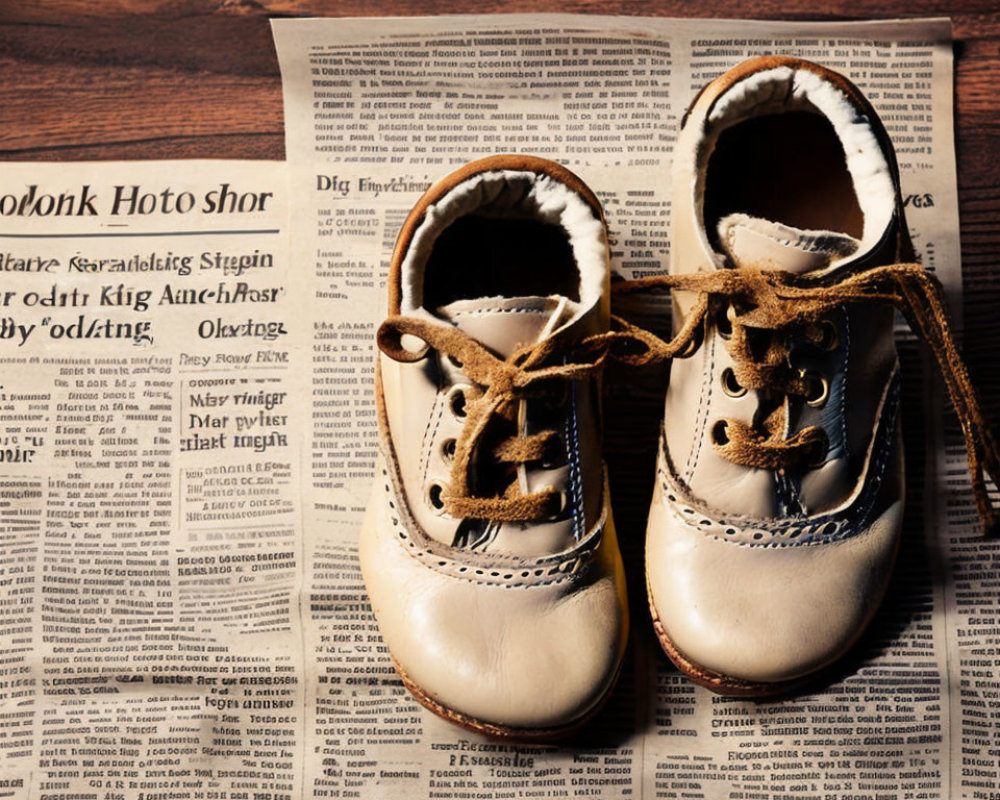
[(505, 323), (761, 244)]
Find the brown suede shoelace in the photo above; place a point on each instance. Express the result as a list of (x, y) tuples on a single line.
[(532, 371), (769, 301), (757, 301)]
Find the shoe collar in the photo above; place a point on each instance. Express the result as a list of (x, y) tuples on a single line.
[(508, 191), (777, 85)]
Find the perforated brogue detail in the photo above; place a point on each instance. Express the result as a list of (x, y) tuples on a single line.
[(494, 570)]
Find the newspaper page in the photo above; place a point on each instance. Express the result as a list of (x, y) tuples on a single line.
[(150, 541), (377, 109), (189, 434)]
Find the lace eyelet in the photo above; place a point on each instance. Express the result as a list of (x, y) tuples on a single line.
[(730, 385), (818, 458), (457, 402), (723, 325), (818, 389), (435, 497), (448, 449), (413, 345), (455, 362), (719, 435), (553, 454), (695, 342), (562, 505), (557, 399), (823, 335)]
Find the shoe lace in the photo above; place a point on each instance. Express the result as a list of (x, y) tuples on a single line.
[(762, 302), (532, 371)]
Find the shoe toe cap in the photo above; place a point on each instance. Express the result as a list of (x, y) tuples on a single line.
[(506, 653), (765, 614), (525, 658)]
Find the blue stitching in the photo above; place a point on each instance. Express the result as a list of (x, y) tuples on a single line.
[(571, 434), (701, 421), (843, 394)]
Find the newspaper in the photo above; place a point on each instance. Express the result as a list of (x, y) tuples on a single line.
[(189, 436), (150, 537), (377, 109)]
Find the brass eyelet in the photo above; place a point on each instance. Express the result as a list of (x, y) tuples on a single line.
[(818, 388), (730, 385), (823, 335)]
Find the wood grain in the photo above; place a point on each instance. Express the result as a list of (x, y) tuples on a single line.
[(123, 79)]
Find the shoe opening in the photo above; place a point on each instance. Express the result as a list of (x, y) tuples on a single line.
[(489, 256), (506, 234), (788, 168), (791, 146)]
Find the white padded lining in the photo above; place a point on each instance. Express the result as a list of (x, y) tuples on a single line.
[(783, 89), (515, 194)]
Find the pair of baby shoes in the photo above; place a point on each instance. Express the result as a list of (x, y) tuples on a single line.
[(489, 549)]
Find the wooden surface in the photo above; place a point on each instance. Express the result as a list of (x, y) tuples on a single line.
[(121, 79)]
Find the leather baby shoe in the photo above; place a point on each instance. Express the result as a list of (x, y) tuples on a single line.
[(779, 489), (488, 549)]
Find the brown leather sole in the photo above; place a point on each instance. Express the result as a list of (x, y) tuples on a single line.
[(719, 682)]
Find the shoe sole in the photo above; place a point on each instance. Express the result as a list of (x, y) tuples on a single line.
[(496, 731)]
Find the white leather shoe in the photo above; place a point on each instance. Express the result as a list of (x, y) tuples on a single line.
[(488, 549), (779, 489)]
